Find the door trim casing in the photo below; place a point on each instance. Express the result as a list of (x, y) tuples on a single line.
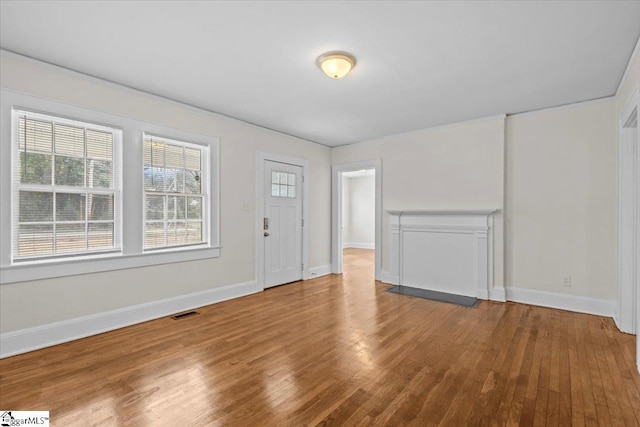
[(627, 316), (336, 213), (261, 156)]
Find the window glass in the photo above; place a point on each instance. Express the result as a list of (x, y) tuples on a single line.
[(64, 187), (283, 184), (173, 192)]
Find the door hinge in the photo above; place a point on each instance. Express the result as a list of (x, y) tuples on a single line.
[(302, 178), (302, 267), (303, 222)]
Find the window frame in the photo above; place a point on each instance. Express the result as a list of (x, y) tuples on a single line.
[(132, 254), (204, 192), (16, 187)]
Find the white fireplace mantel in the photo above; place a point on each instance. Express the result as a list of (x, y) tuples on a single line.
[(443, 250)]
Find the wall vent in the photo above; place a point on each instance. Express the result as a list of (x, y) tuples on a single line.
[(185, 314)]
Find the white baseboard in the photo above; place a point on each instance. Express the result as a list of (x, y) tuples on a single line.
[(321, 270), (357, 245), (495, 294), (387, 277), (580, 304), (29, 339), (498, 294), (616, 318)]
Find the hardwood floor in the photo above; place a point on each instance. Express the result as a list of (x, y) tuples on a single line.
[(338, 350)]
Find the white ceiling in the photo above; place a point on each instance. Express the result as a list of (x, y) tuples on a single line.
[(420, 64)]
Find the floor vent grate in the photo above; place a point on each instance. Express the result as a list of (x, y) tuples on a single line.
[(185, 314)]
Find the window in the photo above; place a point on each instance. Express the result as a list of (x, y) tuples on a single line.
[(66, 188), (84, 191), (175, 193), (283, 184)]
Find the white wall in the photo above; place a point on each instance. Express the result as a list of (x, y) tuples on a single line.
[(28, 304), (458, 166), (359, 203), (559, 190), (561, 200)]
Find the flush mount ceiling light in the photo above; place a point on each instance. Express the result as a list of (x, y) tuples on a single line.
[(336, 64)]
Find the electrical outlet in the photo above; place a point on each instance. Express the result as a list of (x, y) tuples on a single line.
[(566, 281), (245, 206)]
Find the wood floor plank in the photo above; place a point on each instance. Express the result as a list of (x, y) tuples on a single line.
[(553, 398), (543, 390), (608, 383), (489, 399), (625, 390), (564, 370), (513, 405), (597, 383), (333, 351)]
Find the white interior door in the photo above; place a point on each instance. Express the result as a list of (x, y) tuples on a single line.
[(282, 224)]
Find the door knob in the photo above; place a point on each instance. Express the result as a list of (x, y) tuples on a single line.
[(266, 234)]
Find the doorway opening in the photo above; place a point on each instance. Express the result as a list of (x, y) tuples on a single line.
[(357, 219), (358, 223)]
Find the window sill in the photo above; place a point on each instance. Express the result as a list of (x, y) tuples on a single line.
[(41, 270)]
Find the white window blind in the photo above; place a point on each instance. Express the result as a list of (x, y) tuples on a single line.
[(66, 187), (176, 193)]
